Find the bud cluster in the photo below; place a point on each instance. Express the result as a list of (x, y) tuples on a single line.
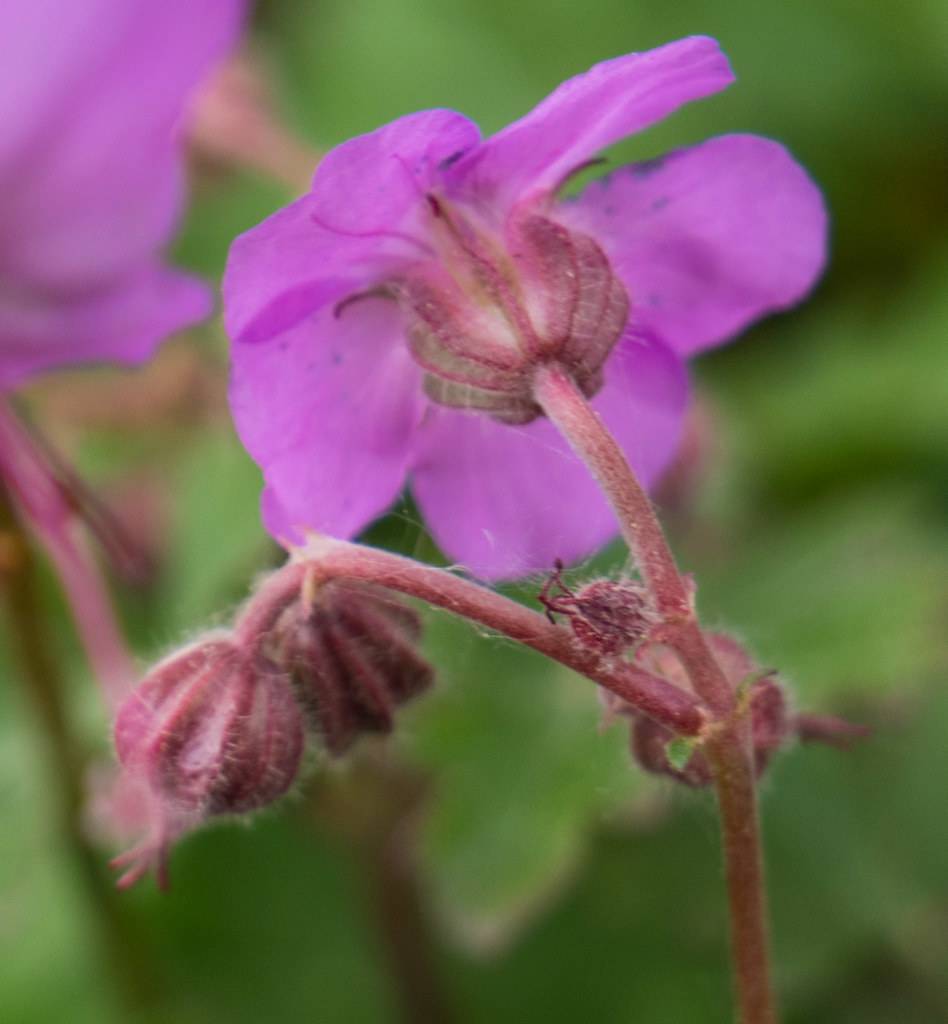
[(219, 728), (352, 655), (770, 728), (759, 695)]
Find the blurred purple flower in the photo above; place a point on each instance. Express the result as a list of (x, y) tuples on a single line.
[(91, 174), (326, 393)]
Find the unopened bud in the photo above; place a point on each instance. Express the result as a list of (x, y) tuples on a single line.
[(758, 694), (210, 731), (770, 720), (351, 651), (609, 616)]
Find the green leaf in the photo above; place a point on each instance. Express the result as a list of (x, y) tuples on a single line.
[(522, 775), (217, 542), (678, 750), (846, 600)]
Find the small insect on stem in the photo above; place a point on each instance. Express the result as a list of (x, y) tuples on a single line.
[(607, 615)]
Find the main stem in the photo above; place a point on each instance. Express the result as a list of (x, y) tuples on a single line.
[(728, 747)]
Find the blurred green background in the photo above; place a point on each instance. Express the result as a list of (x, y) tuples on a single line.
[(559, 883)]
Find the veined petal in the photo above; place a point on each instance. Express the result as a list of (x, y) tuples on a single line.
[(349, 232), (371, 183), (329, 410), (708, 238), (124, 323), (507, 501), (586, 114), (289, 266), (354, 229)]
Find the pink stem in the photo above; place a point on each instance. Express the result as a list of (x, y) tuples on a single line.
[(325, 559), (589, 437), (40, 502), (728, 745)]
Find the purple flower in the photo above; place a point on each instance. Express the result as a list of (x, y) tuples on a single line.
[(341, 395), (91, 174)]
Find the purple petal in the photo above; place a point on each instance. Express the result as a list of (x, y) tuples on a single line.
[(90, 96), (352, 231), (329, 410), (586, 114), (124, 323), (506, 501), (287, 267), (370, 184), (709, 238)]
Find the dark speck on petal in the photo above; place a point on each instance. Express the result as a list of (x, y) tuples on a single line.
[(647, 167), (452, 159), (660, 203)]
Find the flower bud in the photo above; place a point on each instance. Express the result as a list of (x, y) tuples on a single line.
[(210, 731), (758, 695), (769, 730), (351, 652), (606, 615)]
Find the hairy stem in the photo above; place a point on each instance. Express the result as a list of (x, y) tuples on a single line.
[(728, 746), (730, 756), (325, 559), (43, 688), (589, 437)]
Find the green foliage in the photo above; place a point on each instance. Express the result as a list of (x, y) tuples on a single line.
[(679, 751)]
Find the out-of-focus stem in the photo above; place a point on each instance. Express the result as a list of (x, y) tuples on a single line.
[(43, 688), (728, 744), (376, 804), (233, 122), (325, 559), (40, 502)]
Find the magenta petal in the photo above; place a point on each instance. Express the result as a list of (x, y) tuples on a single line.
[(288, 266), (709, 238), (124, 323), (329, 410), (586, 114), (369, 184), (353, 230), (507, 501), (91, 94)]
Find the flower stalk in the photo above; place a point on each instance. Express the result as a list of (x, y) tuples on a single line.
[(728, 744), (37, 497), (324, 559)]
